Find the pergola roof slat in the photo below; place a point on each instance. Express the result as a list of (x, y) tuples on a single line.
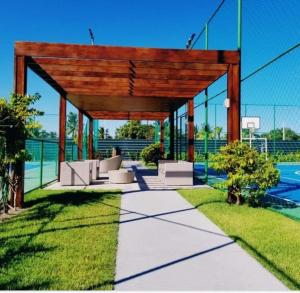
[(106, 78)]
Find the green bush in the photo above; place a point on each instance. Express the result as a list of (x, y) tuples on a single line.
[(151, 153), (285, 157), (249, 174)]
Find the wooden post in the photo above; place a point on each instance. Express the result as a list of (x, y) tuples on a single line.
[(20, 87), (191, 130), (80, 134), (171, 147), (229, 95), (90, 142), (162, 137), (62, 131), (176, 133), (234, 110)]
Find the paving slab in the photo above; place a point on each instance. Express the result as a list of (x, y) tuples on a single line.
[(164, 243)]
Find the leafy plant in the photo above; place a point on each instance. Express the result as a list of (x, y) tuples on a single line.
[(135, 130), (249, 174), (16, 124), (72, 126), (151, 153)]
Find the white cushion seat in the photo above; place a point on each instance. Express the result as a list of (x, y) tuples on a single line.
[(76, 173), (121, 176), (173, 172)]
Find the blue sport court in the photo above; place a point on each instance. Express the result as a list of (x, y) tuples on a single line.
[(288, 189)]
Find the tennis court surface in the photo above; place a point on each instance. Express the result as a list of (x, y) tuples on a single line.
[(288, 189)]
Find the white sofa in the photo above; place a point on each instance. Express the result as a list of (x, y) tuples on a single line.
[(76, 173), (95, 168), (113, 163), (173, 172)]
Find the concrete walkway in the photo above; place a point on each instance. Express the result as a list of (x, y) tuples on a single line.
[(166, 244)]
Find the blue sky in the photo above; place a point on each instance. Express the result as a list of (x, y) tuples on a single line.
[(269, 27)]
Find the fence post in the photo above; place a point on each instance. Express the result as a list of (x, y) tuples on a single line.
[(239, 32), (215, 128), (206, 117), (274, 128), (41, 162), (206, 138), (72, 155)]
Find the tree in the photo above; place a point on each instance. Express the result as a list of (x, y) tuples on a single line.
[(249, 174), (135, 130), (16, 123), (201, 133), (107, 135), (217, 132), (277, 134), (42, 133), (101, 132), (72, 126)]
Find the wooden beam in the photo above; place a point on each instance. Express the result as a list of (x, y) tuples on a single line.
[(162, 137), (20, 87), (171, 147), (90, 140), (127, 70), (191, 148), (160, 94), (62, 132), (80, 134), (46, 77), (211, 76), (123, 115), (125, 64), (125, 53), (139, 84)]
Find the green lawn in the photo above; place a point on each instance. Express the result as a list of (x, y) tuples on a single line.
[(65, 240), (271, 238)]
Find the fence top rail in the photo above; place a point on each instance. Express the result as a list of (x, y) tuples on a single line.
[(42, 140)]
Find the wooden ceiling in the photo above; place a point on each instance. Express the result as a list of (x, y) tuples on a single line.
[(103, 79)]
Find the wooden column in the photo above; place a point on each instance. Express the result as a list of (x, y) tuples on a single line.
[(90, 139), (229, 95), (234, 110), (80, 134), (191, 130), (176, 133), (20, 87), (162, 137), (171, 147), (62, 131)]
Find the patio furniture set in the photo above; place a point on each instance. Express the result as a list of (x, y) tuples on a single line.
[(170, 172), (85, 171)]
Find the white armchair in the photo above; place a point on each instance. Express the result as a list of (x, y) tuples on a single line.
[(113, 163), (76, 173)]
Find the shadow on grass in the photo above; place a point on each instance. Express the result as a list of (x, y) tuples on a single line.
[(266, 261), (72, 197), (13, 284), (44, 207)]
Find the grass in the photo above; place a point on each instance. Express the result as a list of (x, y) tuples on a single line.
[(273, 239), (151, 166), (64, 240)]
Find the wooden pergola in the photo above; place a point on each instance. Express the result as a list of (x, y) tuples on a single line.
[(106, 82)]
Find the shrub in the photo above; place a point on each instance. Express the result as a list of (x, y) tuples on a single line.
[(151, 153), (249, 174)]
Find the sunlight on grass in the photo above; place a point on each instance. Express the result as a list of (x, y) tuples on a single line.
[(271, 238), (65, 240)]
